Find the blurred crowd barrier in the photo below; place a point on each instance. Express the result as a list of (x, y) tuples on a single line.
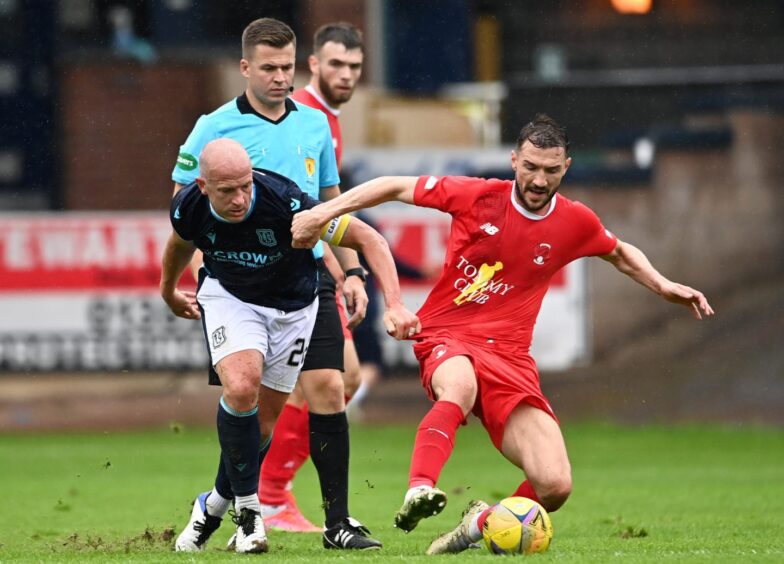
[(79, 290)]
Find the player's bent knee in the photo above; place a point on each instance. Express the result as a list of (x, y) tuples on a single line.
[(454, 371), (460, 391), (455, 381), (554, 493), (241, 396), (325, 393)]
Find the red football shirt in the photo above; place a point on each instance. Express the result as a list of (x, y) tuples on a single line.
[(500, 257), (310, 97)]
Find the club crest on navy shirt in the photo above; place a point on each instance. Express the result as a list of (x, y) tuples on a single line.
[(267, 237)]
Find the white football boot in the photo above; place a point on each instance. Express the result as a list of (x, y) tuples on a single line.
[(199, 529), (420, 502), (458, 539), (250, 536)]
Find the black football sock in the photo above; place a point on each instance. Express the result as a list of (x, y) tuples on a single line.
[(264, 449), (239, 436), (222, 484), (329, 449)]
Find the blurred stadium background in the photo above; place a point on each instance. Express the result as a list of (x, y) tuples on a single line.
[(676, 114)]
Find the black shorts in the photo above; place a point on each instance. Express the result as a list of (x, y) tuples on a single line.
[(326, 343)]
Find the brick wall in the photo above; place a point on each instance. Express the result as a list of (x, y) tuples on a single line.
[(711, 220), (122, 124)]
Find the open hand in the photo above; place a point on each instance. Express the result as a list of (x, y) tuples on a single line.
[(688, 297)]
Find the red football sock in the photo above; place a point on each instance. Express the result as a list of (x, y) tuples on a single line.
[(526, 490), (434, 442), (289, 450)]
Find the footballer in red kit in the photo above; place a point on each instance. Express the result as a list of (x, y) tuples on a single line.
[(310, 97), (500, 259), (507, 240)]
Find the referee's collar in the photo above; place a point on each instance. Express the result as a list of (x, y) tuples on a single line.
[(243, 105)]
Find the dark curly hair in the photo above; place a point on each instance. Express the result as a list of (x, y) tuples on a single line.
[(543, 132)]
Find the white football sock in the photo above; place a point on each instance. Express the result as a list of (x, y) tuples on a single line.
[(250, 501), (217, 505), (474, 534)]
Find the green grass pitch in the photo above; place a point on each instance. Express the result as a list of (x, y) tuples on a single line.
[(641, 494)]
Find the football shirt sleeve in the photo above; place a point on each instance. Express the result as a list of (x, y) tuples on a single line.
[(307, 201), (328, 170), (296, 199), (179, 217), (449, 194), (598, 240), (187, 168)]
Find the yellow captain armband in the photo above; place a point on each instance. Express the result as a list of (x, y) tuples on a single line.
[(333, 231)]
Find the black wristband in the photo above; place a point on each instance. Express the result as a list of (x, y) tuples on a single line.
[(356, 272)]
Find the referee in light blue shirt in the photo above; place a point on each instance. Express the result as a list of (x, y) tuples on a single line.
[(297, 145), (295, 141)]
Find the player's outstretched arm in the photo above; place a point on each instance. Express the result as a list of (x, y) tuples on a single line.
[(307, 224), (399, 322), (353, 288), (176, 256), (632, 261)]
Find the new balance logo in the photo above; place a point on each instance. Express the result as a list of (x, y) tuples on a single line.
[(177, 213), (211, 236), (489, 228)]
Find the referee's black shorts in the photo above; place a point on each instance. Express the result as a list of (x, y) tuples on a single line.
[(326, 342)]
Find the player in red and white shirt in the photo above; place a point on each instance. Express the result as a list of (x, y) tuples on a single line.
[(311, 95), (507, 240), (335, 67)]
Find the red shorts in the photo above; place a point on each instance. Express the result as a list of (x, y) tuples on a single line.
[(343, 317), (505, 376)]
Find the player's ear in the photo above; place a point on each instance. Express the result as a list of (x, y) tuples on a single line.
[(245, 68), (567, 163), (313, 64), (202, 185), (514, 160)]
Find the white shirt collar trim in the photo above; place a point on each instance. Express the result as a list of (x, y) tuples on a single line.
[(334, 111), (525, 212)]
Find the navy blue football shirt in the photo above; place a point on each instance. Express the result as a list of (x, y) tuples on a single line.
[(253, 259)]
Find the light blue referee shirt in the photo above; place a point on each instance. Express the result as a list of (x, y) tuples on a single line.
[(297, 146)]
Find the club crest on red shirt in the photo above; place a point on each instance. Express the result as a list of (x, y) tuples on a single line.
[(541, 253)]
